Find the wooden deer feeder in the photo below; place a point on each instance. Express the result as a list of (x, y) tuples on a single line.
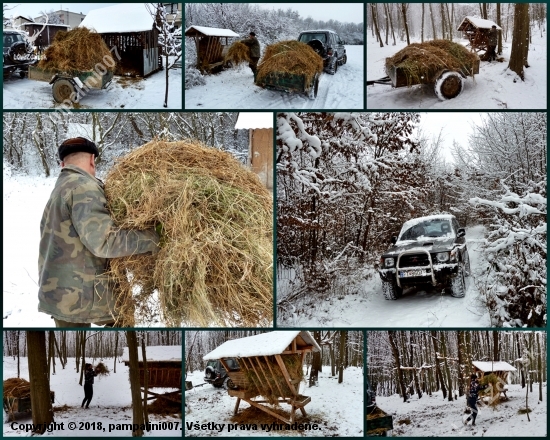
[(163, 370), (500, 369), (270, 369), (476, 31), (211, 45)]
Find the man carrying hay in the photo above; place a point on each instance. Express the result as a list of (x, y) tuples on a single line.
[(77, 236), (492, 44), (472, 397), (89, 374), (254, 45)]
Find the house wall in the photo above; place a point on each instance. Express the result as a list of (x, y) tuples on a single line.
[(261, 155)]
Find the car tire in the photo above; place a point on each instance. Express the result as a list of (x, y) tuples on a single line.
[(457, 289), (317, 47), (313, 88), (391, 290), (333, 66), (344, 59), (467, 267), (17, 49), (209, 373), (228, 384)]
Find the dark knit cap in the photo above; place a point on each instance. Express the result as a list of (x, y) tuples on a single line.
[(76, 145)]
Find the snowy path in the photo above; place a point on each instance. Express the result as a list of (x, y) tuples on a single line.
[(365, 306), (435, 417), (492, 88), (235, 89), (336, 408)]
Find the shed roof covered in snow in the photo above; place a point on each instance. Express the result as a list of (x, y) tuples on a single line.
[(193, 31), (265, 344), (253, 120), (478, 23), (156, 353), (121, 18), (487, 367)]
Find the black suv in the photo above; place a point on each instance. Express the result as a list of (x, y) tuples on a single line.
[(429, 250), (328, 45), (371, 399), (18, 53), (216, 374)]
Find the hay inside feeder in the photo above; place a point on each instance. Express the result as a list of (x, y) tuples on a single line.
[(165, 407), (238, 53), (420, 61), (102, 370), (18, 388), (289, 58), (77, 50), (215, 262)]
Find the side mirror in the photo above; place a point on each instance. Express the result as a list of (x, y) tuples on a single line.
[(460, 233), (393, 239)]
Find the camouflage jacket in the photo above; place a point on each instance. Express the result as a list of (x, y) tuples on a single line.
[(254, 46), (77, 236)]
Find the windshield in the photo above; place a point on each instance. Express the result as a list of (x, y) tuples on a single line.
[(427, 229), (306, 38), (212, 364), (10, 39)]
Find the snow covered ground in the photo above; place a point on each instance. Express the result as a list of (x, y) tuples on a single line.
[(336, 408), (123, 93), (235, 89), (111, 403), (492, 88), (362, 304), (435, 417)]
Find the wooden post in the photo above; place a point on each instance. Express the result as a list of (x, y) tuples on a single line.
[(282, 366), (263, 372), (273, 374), (237, 406)]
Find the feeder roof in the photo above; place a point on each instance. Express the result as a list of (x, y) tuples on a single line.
[(252, 120), (487, 367), (264, 344), (118, 19), (160, 353), (192, 31), (479, 23)]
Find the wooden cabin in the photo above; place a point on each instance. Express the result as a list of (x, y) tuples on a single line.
[(270, 369), (164, 370), (476, 31), (211, 45), (131, 29), (260, 144)]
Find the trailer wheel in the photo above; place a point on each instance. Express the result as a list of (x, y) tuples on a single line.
[(62, 90), (449, 85), (314, 88)]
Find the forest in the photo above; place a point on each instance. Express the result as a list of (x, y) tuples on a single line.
[(347, 182), (30, 139)]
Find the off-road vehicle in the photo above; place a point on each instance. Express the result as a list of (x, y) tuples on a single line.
[(371, 399), (216, 374), (18, 53), (328, 45), (428, 251)]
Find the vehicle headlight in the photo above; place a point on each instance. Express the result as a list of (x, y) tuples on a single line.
[(389, 262), (442, 257)]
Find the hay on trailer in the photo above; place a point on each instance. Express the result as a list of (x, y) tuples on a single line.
[(77, 50), (18, 388), (102, 370), (420, 61), (289, 58), (238, 53), (215, 261), (266, 379)]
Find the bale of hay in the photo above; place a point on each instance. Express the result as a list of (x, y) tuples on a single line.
[(289, 58), (102, 370), (17, 388), (238, 53), (215, 262), (77, 50), (420, 61)]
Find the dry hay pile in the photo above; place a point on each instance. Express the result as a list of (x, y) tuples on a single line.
[(420, 61), (238, 53), (215, 262), (102, 370), (164, 407), (271, 383), (494, 384), (17, 388), (289, 58), (77, 50)]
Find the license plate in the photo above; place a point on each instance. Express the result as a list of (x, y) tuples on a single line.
[(411, 273)]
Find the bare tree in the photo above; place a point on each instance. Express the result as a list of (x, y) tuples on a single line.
[(375, 23), (404, 7), (42, 412)]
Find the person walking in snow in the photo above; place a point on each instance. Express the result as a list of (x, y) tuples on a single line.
[(89, 374), (492, 44), (254, 46), (472, 397)]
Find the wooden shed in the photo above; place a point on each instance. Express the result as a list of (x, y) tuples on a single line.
[(46, 36), (500, 368), (163, 369), (260, 143), (270, 369), (211, 45), (476, 31), (131, 29)]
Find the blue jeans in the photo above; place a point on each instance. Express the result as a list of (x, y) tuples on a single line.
[(472, 403)]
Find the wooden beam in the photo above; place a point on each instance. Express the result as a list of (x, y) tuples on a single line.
[(237, 406), (267, 410), (265, 375), (258, 375), (273, 374), (258, 387), (282, 366)]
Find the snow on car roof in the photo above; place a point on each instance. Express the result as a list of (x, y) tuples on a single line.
[(481, 23), (493, 366), (160, 353), (415, 221), (264, 344), (210, 31), (254, 120), (121, 18)]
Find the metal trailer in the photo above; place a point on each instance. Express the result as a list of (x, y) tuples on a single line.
[(379, 424), (13, 405), (290, 83)]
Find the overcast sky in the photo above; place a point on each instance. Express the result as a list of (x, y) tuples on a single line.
[(344, 12), (35, 9)]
